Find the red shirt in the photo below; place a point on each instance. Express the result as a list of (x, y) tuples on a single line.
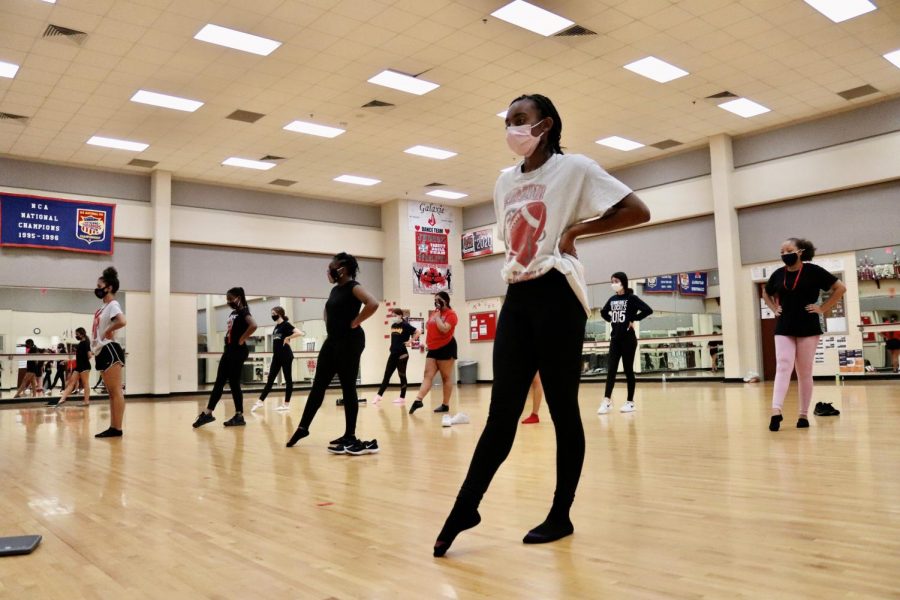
[(435, 337)]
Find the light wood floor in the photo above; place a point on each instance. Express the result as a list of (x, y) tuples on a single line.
[(691, 497)]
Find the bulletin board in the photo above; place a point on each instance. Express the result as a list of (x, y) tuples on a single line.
[(482, 326)]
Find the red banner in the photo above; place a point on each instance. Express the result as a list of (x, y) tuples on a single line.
[(431, 248)]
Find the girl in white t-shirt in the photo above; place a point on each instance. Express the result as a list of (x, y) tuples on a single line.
[(109, 357), (542, 206)]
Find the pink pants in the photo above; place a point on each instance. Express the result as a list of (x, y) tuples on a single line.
[(790, 353)]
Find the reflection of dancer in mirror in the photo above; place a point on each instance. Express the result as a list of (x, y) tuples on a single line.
[(110, 357), (401, 333), (537, 394), (542, 206), (714, 347), (892, 343), (81, 373), (792, 293), (282, 358), (61, 368), (32, 372), (240, 327), (441, 352)]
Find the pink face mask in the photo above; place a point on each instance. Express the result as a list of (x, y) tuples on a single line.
[(520, 140)]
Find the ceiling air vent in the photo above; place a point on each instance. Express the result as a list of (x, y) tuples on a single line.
[(857, 92), (666, 144), (436, 184), (376, 104), (245, 116), (57, 31), (139, 162), (282, 182), (720, 95), (272, 157), (575, 31), (4, 116)]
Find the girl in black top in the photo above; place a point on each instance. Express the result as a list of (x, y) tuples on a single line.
[(60, 369), (340, 353), (622, 310), (282, 358), (82, 370), (401, 333), (241, 326), (32, 371), (792, 293)]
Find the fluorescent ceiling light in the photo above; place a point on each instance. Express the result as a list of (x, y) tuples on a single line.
[(429, 152), (894, 57), (620, 143), (238, 40), (841, 10), (166, 101), (357, 180), (247, 163), (117, 144), (314, 129), (655, 69), (533, 18), (403, 82), (502, 114), (8, 69), (744, 108), (446, 194)]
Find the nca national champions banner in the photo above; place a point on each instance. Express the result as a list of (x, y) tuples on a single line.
[(55, 224)]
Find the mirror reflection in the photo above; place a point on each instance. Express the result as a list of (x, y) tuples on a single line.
[(878, 277)]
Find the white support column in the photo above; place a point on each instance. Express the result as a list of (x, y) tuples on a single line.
[(160, 278), (739, 334)]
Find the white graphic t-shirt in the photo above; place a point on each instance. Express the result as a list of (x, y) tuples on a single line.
[(533, 209), (102, 320)]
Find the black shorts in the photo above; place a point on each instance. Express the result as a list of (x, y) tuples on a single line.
[(893, 344), (447, 352), (81, 367), (111, 354)]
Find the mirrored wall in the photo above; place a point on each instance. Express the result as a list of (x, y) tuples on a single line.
[(878, 278)]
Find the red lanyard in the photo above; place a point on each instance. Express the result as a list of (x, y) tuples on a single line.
[(794, 287)]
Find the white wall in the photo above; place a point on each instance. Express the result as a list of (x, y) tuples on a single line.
[(183, 342)]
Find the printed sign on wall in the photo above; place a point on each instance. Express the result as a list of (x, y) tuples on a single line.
[(431, 279), (430, 218), (692, 284), (482, 326), (664, 284), (479, 242), (56, 224), (431, 248)]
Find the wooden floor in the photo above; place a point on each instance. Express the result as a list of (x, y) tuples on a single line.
[(690, 497)]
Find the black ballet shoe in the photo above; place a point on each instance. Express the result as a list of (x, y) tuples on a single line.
[(549, 531), (458, 521), (802, 423), (298, 435), (775, 422)]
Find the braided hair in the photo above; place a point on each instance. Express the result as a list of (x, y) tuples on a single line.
[(349, 262), (546, 109)]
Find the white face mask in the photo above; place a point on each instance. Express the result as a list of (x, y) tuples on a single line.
[(617, 287), (520, 140)]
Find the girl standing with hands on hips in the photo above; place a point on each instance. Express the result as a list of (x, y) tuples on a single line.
[(81, 371), (622, 310), (240, 327), (282, 358), (109, 356), (542, 206), (441, 352), (792, 293)]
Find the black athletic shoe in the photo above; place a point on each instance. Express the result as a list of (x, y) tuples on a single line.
[(109, 433), (416, 406), (344, 439), (360, 447), (235, 421), (341, 447), (825, 409), (442, 408), (203, 419)]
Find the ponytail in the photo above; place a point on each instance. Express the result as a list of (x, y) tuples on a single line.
[(238, 292), (809, 251)]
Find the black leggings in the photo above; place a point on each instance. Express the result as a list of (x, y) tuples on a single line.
[(284, 363), (338, 356), (527, 342), (622, 348), (60, 377), (398, 362), (230, 366)]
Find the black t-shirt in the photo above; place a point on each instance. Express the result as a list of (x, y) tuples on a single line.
[(237, 327), (340, 309), (401, 331), (82, 354), (622, 310), (282, 330), (794, 292), (34, 366)]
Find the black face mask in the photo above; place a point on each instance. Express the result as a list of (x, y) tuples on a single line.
[(790, 259), (439, 305), (233, 305), (100, 292), (274, 317), (335, 274)]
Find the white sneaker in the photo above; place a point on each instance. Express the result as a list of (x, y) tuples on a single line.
[(377, 399), (446, 421), (627, 407), (258, 404), (605, 406), (283, 407), (459, 419)]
